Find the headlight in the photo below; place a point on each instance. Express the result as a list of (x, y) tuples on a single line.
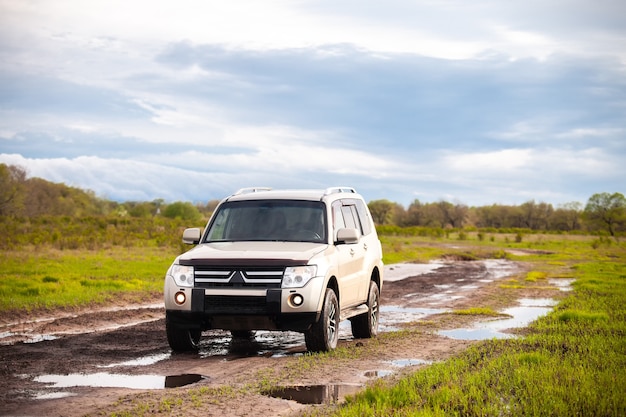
[(183, 275), (298, 276)]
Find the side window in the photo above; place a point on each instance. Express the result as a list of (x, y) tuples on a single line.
[(352, 214), (338, 222), (364, 217), (349, 213)]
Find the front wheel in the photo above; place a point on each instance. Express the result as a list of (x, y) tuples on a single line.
[(365, 326), (324, 335), (181, 339)]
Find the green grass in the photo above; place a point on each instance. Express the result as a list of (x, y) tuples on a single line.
[(49, 278), (477, 311), (570, 362)]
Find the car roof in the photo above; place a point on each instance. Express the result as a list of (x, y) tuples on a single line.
[(262, 193)]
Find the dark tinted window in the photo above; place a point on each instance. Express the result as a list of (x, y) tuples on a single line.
[(269, 220)]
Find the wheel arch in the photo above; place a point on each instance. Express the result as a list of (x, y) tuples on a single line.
[(334, 285), (376, 277)]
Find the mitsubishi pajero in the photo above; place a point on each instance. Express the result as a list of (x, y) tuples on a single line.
[(297, 260)]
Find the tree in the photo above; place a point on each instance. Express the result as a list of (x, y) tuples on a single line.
[(535, 215), (182, 210), (12, 179), (414, 215), (606, 210), (382, 211), (566, 216), (454, 215)]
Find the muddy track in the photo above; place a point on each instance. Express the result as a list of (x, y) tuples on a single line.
[(83, 363)]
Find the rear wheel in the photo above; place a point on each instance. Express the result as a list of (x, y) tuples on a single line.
[(323, 335), (181, 339), (365, 326)]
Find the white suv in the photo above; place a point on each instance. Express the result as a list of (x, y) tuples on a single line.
[(299, 260)]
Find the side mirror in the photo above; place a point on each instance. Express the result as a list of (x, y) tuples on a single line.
[(191, 236), (348, 236)]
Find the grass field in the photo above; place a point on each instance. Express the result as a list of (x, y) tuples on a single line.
[(48, 278), (569, 363)]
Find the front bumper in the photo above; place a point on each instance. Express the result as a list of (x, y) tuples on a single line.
[(266, 309)]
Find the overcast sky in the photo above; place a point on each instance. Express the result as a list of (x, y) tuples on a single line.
[(474, 102)]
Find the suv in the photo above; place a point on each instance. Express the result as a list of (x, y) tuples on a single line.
[(298, 260)]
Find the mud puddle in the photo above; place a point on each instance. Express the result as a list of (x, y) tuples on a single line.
[(108, 380), (529, 310), (314, 394)]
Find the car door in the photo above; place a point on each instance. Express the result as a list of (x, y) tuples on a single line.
[(350, 255)]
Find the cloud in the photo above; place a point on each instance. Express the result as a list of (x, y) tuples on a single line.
[(477, 102)]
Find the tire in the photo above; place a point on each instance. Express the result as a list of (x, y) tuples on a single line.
[(324, 335), (365, 326), (242, 334), (181, 339)]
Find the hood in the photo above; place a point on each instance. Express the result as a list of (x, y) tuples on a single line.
[(251, 253)]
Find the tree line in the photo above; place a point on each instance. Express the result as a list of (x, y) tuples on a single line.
[(603, 211), (33, 197)]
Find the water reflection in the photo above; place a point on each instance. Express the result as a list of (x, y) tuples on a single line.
[(107, 380), (314, 394), (528, 311)]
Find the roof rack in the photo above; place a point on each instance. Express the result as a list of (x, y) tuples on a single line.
[(249, 190), (333, 190)]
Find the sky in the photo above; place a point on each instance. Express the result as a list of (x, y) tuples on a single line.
[(476, 103)]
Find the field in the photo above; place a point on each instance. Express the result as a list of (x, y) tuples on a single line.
[(570, 362)]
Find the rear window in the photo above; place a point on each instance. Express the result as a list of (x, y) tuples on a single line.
[(269, 220)]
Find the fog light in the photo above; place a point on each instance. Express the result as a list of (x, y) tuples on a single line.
[(180, 298), (297, 300)]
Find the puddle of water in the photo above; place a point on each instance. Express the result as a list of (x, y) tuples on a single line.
[(390, 309), (53, 395), (378, 374), (145, 361), (537, 302), (106, 380), (315, 394), (397, 272), (475, 334), (402, 363), (390, 316), (529, 311), (10, 338), (443, 297), (500, 268), (175, 381), (39, 338), (397, 363), (469, 287), (563, 284)]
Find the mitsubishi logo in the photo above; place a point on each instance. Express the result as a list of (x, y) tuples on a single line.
[(237, 278)]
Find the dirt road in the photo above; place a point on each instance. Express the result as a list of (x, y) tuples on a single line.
[(110, 360)]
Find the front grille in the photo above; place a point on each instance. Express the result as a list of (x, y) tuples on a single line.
[(228, 277), (234, 305)]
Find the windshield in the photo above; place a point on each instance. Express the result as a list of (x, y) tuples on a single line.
[(269, 220)]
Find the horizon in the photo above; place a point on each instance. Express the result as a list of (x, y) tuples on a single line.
[(105, 198)]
